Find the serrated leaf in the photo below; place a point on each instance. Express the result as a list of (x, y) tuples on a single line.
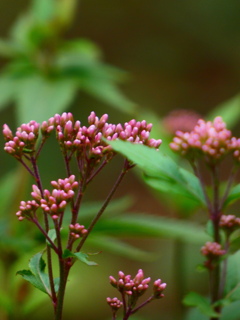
[(36, 275), (152, 226), (83, 257), (161, 167), (39, 98), (194, 299)]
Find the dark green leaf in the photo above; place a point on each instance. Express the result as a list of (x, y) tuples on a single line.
[(193, 299), (36, 275), (231, 312), (152, 226)]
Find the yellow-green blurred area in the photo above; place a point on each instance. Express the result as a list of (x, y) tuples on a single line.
[(174, 55)]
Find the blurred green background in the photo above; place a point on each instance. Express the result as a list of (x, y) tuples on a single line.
[(176, 55)]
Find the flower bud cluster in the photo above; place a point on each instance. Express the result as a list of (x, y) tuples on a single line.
[(24, 140), (53, 202), (212, 250), (77, 230), (114, 303), (137, 286), (210, 138), (229, 223)]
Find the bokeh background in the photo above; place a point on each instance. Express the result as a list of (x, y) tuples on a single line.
[(176, 55)]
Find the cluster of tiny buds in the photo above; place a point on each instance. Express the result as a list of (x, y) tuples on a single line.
[(212, 250), (53, 202), (211, 138), (77, 230), (114, 303), (75, 137), (137, 286), (24, 140), (229, 222)]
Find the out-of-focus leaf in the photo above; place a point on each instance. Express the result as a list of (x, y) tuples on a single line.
[(234, 195), (232, 284), (161, 167), (7, 89), (119, 247), (39, 98), (228, 110), (43, 10), (230, 312), (152, 226), (83, 257), (36, 275), (7, 187), (195, 314), (6, 302), (194, 299)]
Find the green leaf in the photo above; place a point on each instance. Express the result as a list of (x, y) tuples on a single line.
[(36, 275), (232, 284), (43, 10), (161, 168), (83, 257), (233, 196), (193, 299), (39, 98), (152, 226), (118, 247), (228, 110), (231, 312)]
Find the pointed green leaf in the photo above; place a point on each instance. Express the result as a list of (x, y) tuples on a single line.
[(232, 284), (36, 275), (52, 235), (193, 299), (161, 167), (83, 257)]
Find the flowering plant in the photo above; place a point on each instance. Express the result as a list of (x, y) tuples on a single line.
[(90, 149)]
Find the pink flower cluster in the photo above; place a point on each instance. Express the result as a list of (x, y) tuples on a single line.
[(210, 138), (24, 140), (212, 249), (72, 136), (53, 203), (77, 230), (229, 222), (137, 286), (114, 303)]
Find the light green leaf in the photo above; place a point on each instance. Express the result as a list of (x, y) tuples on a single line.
[(52, 235), (193, 299), (119, 247), (161, 167), (83, 257), (152, 226), (39, 98), (43, 10), (228, 110), (36, 275)]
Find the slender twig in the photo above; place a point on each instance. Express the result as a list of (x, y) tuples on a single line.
[(142, 305), (102, 165), (106, 202)]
